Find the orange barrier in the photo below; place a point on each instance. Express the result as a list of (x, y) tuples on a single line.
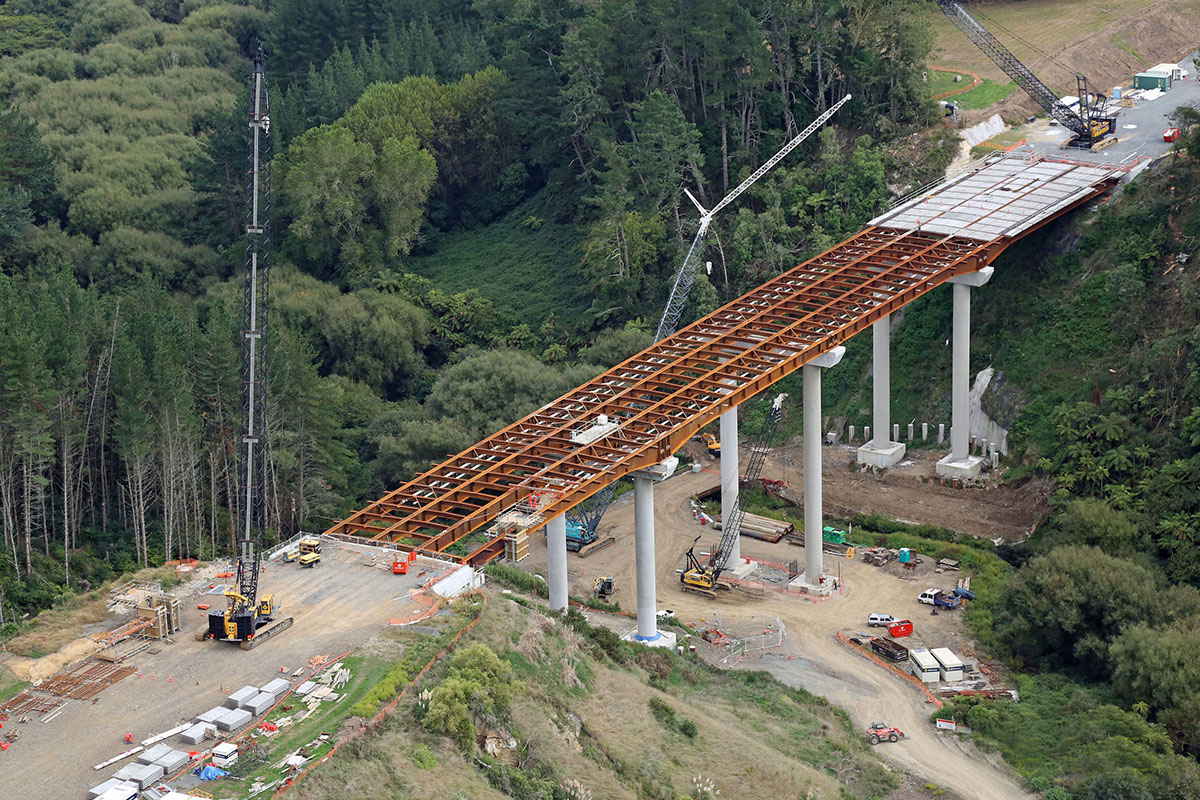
[(908, 677), (976, 81), (391, 706)]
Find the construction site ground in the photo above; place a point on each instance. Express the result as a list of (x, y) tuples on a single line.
[(337, 606), (813, 657), (1105, 40)]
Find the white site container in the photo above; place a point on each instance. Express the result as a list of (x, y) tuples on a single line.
[(225, 755), (950, 665), (923, 665)]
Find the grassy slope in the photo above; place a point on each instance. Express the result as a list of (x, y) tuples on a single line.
[(754, 737), (527, 273), (1045, 24)]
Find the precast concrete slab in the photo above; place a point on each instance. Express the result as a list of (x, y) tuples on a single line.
[(305, 688), (234, 719), (122, 790), (239, 698), (260, 704), (1004, 198), (101, 788), (198, 733), (277, 686), (141, 774), (152, 754), (172, 761), (213, 714)]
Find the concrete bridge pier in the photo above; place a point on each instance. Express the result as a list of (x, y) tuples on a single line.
[(729, 472), (880, 452), (960, 463), (810, 581), (647, 631), (556, 546)]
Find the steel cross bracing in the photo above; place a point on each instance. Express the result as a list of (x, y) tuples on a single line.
[(666, 393)]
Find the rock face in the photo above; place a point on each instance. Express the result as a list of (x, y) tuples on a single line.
[(500, 745), (983, 426)]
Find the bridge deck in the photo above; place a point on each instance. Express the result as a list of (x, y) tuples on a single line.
[(662, 396)]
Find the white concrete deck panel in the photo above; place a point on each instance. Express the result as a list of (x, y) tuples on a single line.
[(1003, 198)]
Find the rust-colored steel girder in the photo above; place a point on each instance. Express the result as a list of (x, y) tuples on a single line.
[(662, 396)]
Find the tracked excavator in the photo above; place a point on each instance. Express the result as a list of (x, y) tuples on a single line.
[(248, 618)]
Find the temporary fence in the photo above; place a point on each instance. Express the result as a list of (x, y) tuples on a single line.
[(771, 637)]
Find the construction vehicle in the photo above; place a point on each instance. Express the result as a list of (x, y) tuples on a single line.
[(589, 512), (603, 588), (705, 578), (585, 541), (310, 544), (880, 731), (711, 444), (310, 559), (291, 555), (833, 535), (1091, 127), (249, 619), (939, 599)]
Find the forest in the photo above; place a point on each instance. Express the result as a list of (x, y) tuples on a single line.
[(474, 206)]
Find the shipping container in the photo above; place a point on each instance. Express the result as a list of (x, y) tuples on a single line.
[(1152, 80)]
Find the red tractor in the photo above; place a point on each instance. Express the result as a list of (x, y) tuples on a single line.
[(879, 731)]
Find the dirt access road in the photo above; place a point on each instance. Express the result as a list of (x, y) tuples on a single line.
[(337, 606), (820, 663)]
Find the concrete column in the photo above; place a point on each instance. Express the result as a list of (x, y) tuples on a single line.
[(813, 512), (729, 473), (960, 463), (556, 545), (643, 525), (880, 451), (881, 378)]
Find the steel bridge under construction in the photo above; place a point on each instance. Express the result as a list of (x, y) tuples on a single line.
[(640, 412)]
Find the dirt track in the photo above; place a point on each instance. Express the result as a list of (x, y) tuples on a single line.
[(819, 662)]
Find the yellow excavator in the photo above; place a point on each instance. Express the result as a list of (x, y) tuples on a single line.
[(711, 443)]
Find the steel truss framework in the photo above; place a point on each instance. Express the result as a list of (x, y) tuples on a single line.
[(663, 396)]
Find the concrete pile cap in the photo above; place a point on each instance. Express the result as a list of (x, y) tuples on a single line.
[(239, 698), (153, 754), (276, 686), (234, 719), (213, 714), (198, 732)]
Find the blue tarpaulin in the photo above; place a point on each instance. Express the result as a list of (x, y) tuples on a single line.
[(211, 773)]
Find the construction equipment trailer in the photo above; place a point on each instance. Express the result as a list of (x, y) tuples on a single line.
[(1091, 127), (249, 619)]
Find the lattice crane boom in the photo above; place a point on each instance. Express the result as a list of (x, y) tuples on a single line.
[(685, 276)]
